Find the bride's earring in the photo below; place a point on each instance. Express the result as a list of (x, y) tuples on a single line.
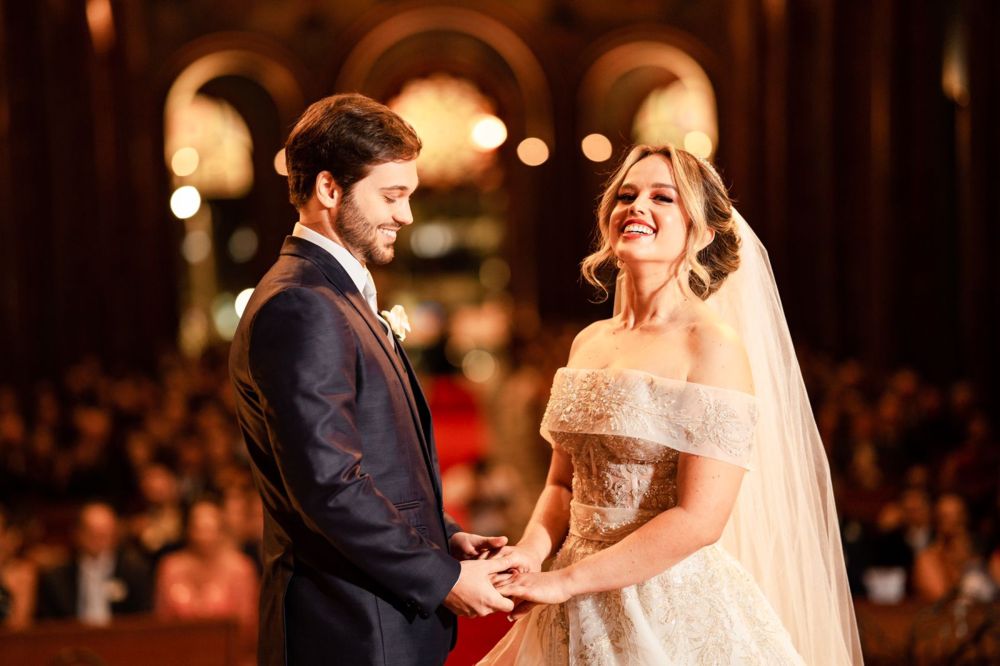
[(619, 264)]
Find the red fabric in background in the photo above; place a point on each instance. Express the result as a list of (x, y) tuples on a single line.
[(459, 429), (461, 438), (476, 636)]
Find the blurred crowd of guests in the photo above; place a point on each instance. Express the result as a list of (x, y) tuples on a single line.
[(130, 493), (917, 476), (127, 494)]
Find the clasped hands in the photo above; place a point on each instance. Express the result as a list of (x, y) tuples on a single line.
[(497, 577)]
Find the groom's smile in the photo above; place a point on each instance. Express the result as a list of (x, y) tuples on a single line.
[(375, 209)]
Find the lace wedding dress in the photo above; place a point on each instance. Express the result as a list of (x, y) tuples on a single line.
[(625, 430)]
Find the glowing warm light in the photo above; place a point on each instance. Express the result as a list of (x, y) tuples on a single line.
[(532, 151), (479, 366), (220, 135), (279, 163), (432, 239), (196, 246), (224, 315), (698, 143), (185, 201), (194, 331), (185, 161), (242, 298), (243, 244), (444, 110), (596, 147), (679, 113), (488, 132), (101, 22)]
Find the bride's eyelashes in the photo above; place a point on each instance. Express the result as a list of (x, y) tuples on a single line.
[(628, 197)]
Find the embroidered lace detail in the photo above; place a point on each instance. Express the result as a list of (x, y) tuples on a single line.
[(691, 418)]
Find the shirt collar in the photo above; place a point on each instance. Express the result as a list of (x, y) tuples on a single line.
[(358, 273), (102, 564)]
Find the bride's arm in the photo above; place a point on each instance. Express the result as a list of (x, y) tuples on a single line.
[(550, 519), (706, 490)]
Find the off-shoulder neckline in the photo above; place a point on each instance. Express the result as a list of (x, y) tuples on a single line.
[(666, 380)]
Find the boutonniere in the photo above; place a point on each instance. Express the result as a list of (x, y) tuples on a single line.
[(398, 321)]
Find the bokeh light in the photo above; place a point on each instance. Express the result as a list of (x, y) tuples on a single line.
[(185, 201), (224, 315), (242, 298), (488, 132), (243, 244), (479, 366), (279, 163), (698, 143), (431, 240), (596, 147), (196, 246), (185, 161), (533, 151)]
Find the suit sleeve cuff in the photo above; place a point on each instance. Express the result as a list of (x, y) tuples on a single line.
[(441, 578)]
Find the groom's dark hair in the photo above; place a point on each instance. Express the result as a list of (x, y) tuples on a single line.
[(346, 135)]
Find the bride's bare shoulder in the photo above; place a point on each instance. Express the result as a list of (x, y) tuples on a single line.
[(588, 333), (718, 356)]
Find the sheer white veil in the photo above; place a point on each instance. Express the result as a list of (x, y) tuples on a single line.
[(784, 527)]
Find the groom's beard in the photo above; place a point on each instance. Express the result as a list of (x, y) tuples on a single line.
[(361, 235)]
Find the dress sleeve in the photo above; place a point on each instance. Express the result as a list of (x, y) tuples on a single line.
[(691, 418)]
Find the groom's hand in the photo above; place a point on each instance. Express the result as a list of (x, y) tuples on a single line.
[(465, 546), (521, 558), (473, 594)]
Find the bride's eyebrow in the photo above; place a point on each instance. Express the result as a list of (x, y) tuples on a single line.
[(664, 186)]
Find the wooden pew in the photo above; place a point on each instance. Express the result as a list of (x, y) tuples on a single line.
[(127, 642)]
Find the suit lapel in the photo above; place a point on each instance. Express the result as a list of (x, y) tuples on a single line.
[(339, 278), (423, 409)]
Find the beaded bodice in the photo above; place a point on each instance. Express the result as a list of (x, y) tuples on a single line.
[(625, 430)]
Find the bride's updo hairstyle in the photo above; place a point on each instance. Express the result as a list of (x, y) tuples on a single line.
[(707, 205)]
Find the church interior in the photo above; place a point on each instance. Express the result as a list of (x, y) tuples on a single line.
[(143, 194)]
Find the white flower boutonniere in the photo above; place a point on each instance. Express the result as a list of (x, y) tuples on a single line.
[(398, 321)]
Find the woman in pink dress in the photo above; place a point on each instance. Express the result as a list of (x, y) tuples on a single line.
[(209, 577)]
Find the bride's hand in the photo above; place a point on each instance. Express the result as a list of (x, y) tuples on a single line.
[(531, 589)]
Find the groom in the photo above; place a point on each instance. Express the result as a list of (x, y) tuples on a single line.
[(361, 565)]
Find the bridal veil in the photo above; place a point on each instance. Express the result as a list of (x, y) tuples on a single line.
[(784, 527)]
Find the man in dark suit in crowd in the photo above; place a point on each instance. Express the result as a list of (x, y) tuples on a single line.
[(361, 565), (102, 580)]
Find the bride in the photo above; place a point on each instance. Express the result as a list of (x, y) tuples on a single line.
[(688, 497)]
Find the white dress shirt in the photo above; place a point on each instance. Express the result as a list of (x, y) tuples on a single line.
[(93, 601), (360, 275)]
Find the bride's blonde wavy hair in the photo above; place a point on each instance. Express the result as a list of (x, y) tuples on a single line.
[(707, 205)]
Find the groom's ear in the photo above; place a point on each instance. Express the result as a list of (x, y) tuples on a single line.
[(327, 191)]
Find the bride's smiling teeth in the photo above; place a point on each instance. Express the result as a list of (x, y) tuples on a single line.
[(638, 228)]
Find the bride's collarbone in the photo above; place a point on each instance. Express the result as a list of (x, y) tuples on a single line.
[(665, 352)]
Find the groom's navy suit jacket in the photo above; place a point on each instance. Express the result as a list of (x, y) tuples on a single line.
[(356, 562)]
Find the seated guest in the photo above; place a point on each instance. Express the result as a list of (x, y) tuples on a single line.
[(158, 528), (17, 579), (209, 576), (102, 580), (940, 568)]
